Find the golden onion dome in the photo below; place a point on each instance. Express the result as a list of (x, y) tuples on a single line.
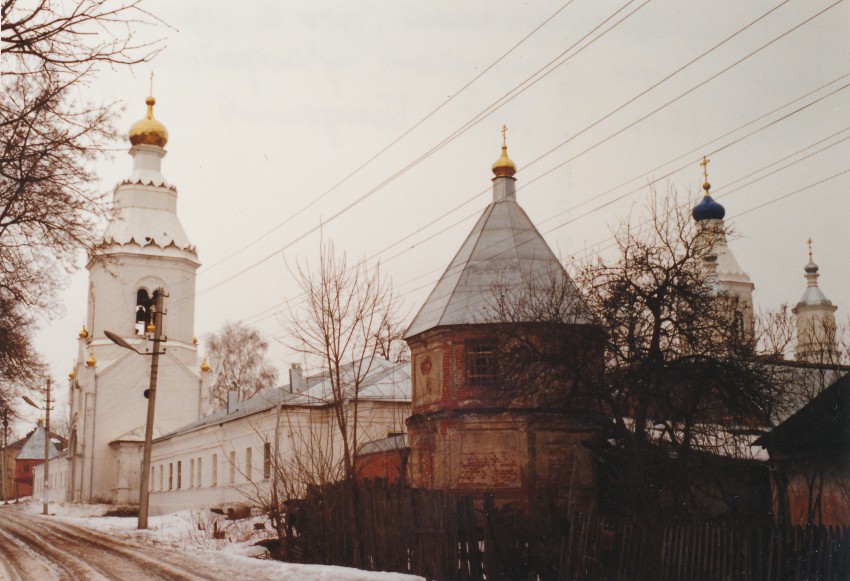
[(205, 367), (91, 361), (73, 373), (504, 166), (195, 340), (149, 131), (83, 333)]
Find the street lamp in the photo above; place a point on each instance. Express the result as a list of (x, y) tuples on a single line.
[(5, 452), (155, 328), (46, 409)]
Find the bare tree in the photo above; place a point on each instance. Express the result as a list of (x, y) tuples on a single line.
[(673, 369), (237, 358), (49, 138), (348, 320), (20, 366)]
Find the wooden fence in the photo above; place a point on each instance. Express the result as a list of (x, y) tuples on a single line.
[(445, 536)]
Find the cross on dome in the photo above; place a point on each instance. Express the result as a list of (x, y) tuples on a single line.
[(707, 209), (704, 163), (504, 166)]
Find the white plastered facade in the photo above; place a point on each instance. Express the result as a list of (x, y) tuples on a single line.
[(143, 247), (227, 458)]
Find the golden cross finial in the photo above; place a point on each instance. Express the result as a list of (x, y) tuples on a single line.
[(810, 248), (704, 164), (151, 93), (504, 135)]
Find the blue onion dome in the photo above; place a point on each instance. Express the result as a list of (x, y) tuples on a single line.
[(708, 209)]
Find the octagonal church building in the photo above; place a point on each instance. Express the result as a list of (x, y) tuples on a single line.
[(477, 424)]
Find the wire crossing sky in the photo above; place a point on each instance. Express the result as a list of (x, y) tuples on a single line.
[(376, 124)]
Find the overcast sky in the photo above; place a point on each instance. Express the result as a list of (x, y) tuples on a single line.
[(269, 107)]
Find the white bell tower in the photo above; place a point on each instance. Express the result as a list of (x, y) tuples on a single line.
[(144, 248), (815, 321)]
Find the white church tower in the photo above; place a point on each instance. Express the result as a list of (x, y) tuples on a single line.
[(729, 277), (144, 248), (815, 321)]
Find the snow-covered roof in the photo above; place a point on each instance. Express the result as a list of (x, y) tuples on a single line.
[(145, 209), (504, 255), (383, 380), (813, 296), (34, 447), (395, 442), (137, 434), (260, 402), (146, 227)]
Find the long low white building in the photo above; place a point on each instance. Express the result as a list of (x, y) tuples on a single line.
[(231, 457)]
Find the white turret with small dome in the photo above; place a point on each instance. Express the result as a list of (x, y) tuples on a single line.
[(815, 321)]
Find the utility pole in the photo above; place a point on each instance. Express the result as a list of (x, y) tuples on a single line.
[(158, 312), (5, 452), (46, 447)]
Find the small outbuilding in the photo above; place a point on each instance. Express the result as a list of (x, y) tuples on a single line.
[(810, 453)]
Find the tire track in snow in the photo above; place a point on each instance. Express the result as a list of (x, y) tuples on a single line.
[(65, 564), (162, 563), (64, 545), (31, 550), (11, 563)]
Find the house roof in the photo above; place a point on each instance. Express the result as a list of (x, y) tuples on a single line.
[(260, 402), (503, 256), (34, 447), (396, 442), (385, 381), (821, 427)]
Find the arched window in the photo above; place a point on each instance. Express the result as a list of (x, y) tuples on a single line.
[(739, 325), (144, 302)]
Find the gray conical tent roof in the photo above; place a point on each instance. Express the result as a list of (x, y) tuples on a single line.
[(34, 448), (504, 255)]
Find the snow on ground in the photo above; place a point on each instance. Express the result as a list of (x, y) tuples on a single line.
[(191, 531)]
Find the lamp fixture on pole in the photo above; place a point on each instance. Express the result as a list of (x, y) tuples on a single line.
[(46, 408), (155, 332)]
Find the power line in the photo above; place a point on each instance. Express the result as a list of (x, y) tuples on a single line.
[(654, 180), (621, 130), (608, 239), (761, 169), (427, 154), (394, 141), (618, 198)]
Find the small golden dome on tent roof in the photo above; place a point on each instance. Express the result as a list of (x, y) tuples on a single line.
[(83, 333), (504, 166), (205, 367)]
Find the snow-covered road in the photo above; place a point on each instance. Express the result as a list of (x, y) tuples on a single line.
[(36, 547), (33, 546)]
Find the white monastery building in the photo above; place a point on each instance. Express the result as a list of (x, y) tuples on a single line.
[(232, 456), (287, 435)]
